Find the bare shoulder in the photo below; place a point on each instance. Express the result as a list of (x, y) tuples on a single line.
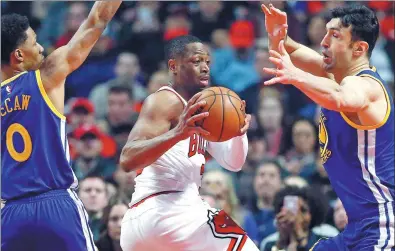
[(162, 104), (160, 111), (368, 85)]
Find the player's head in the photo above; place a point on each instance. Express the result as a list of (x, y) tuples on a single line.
[(189, 62), (19, 47), (351, 36)]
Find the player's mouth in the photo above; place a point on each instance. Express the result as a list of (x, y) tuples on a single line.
[(204, 80), (327, 59)]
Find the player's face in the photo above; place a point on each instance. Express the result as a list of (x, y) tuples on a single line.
[(194, 67), (30, 52), (337, 47)]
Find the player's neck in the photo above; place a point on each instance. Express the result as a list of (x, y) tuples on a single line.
[(351, 71), (8, 72), (181, 91)]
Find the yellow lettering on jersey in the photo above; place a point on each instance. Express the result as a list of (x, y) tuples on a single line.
[(323, 140), (16, 105), (25, 101)]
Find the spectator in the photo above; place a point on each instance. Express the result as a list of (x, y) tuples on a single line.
[(340, 215), (93, 194), (82, 112), (295, 227), (89, 160), (271, 118), (267, 182), (112, 218), (220, 184), (120, 109), (301, 156), (77, 13), (125, 182), (126, 70)]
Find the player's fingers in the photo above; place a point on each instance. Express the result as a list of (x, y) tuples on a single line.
[(276, 61), (273, 81), (195, 107), (265, 10), (191, 121), (276, 11), (282, 49), (274, 53), (201, 131), (270, 71), (194, 99)]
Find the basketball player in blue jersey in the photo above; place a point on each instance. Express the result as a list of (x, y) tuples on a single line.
[(42, 211), (357, 119)]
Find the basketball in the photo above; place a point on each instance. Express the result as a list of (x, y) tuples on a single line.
[(226, 113)]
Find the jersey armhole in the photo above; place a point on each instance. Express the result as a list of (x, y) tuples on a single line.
[(387, 114), (45, 96)]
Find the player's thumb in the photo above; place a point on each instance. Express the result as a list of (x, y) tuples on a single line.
[(282, 49)]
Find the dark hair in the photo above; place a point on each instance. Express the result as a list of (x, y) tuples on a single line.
[(316, 201), (117, 199), (13, 34), (287, 141), (118, 89), (271, 161), (363, 21), (176, 47)]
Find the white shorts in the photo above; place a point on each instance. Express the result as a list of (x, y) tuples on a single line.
[(175, 222)]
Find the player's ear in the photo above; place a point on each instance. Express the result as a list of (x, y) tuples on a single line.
[(360, 47), (18, 54), (172, 66)]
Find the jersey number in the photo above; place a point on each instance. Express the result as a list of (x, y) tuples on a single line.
[(27, 142)]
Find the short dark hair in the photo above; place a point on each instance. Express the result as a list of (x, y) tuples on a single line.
[(176, 47), (118, 89), (364, 23), (316, 201), (13, 34)]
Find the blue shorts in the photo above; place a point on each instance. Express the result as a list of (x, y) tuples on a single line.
[(363, 235), (55, 220)]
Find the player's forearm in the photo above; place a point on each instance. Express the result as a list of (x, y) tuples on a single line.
[(289, 43), (138, 154), (323, 91), (230, 154)]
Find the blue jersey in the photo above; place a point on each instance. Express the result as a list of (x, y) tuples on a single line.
[(34, 149), (359, 161)]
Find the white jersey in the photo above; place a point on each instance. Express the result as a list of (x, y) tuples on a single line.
[(178, 169)]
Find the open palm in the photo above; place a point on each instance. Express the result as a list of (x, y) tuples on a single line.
[(275, 21)]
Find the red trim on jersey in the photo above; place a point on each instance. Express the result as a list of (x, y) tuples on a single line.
[(153, 195)]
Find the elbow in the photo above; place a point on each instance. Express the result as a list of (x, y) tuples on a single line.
[(127, 160)]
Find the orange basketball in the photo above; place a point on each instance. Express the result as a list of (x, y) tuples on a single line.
[(226, 113)]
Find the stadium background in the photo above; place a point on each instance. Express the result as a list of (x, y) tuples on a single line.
[(105, 94)]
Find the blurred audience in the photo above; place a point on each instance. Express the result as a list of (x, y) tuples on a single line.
[(104, 97)]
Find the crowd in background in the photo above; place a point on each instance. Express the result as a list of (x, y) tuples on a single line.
[(104, 97)]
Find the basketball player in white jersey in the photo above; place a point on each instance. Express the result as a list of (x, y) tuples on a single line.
[(166, 150)]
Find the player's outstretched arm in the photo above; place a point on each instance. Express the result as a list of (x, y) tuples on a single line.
[(232, 153), (302, 56), (59, 64), (152, 135), (353, 94)]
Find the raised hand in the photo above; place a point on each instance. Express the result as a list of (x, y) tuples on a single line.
[(275, 21), (285, 71), (187, 123)]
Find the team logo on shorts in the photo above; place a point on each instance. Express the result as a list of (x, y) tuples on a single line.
[(222, 226)]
